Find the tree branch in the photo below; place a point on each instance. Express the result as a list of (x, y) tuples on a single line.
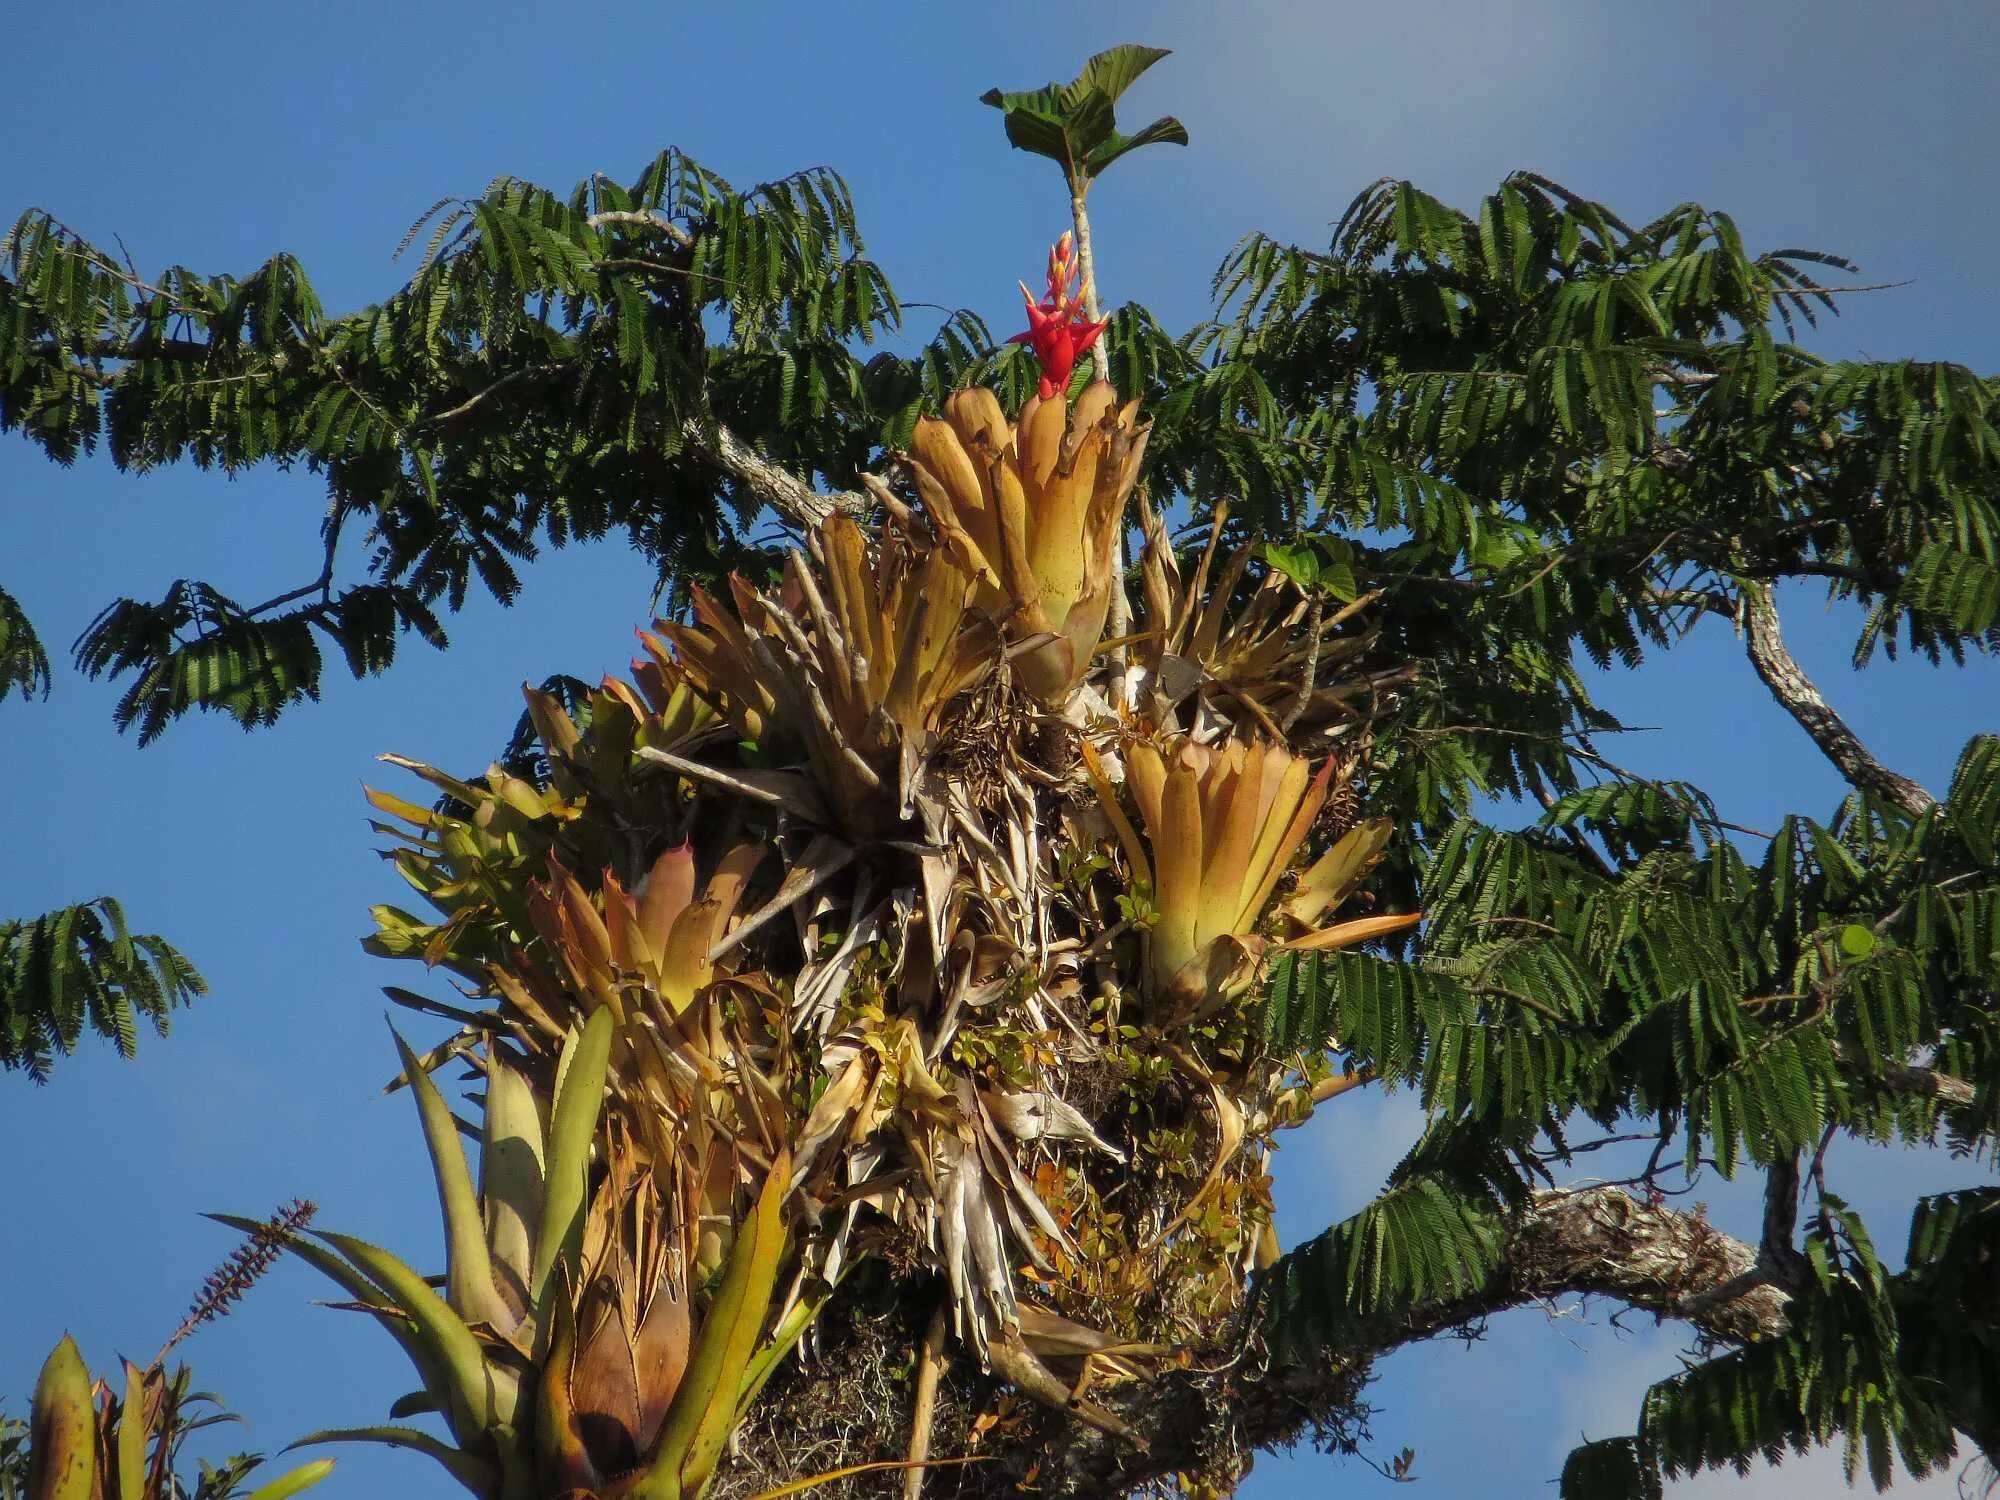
[(1119, 621), (1795, 692), (1906, 1078), (782, 490), (1599, 1241), (667, 227)]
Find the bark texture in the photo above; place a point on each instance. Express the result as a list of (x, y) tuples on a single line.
[(1794, 690), (786, 493)]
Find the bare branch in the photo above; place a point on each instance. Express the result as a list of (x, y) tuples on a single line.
[(1906, 1078), (667, 227), (786, 493), (512, 377), (1086, 264), (1795, 692)]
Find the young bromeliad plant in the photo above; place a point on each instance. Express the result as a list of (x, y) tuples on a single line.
[(888, 942), (86, 1440)]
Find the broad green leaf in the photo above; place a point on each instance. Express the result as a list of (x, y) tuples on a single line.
[(1165, 131), (1074, 124), (1116, 69), (1298, 562)]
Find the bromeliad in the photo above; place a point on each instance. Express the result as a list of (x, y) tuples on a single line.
[(1032, 509), (807, 952), (1059, 330)]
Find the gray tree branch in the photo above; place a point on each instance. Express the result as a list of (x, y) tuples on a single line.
[(782, 490), (1795, 692), (1908, 1078)]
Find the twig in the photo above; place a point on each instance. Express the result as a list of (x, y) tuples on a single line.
[(701, 772), (1865, 286), (1306, 679), (505, 380)]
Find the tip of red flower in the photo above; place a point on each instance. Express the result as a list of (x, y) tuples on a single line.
[(1057, 329)]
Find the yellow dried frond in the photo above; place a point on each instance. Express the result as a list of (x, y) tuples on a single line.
[(852, 663), (1259, 654)]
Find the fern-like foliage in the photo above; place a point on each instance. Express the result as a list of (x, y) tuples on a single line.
[(24, 665), (1542, 430), (1559, 436), (1423, 1238), (547, 376), (1624, 961), (81, 966)]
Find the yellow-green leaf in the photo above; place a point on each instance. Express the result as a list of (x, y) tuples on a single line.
[(572, 1123), (293, 1482), (132, 1436), (703, 1414), (468, 1267)]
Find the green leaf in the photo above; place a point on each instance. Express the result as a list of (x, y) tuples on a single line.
[(1074, 124), (480, 1397), (1165, 131), (572, 1124), (131, 1454), (1300, 563), (1116, 69), (704, 1410), (1423, 1238), (81, 965), (295, 1482), (469, 1267), (475, 1473), (1609, 1469), (24, 665), (62, 1440)]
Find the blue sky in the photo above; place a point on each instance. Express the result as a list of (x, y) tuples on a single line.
[(216, 134)]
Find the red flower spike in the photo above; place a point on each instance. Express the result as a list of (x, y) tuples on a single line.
[(1058, 331)]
